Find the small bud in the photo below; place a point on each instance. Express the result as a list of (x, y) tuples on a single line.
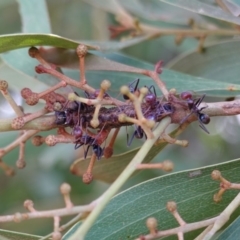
[(124, 90), (94, 123), (122, 117), (144, 90), (57, 106), (26, 92), (51, 140), (40, 69), (71, 97), (105, 85), (173, 91), (37, 140), (167, 166), (56, 236), (17, 123), (3, 85), (28, 204), (150, 123), (82, 50), (17, 217), (87, 177), (50, 97), (32, 99), (216, 175), (33, 51), (171, 206), (65, 188), (21, 163), (151, 224)]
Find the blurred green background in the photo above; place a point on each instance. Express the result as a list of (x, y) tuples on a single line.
[(48, 167)]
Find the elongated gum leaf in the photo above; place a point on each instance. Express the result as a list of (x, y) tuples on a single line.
[(219, 62), (126, 214), (11, 235), (232, 232), (107, 170), (204, 9), (15, 41)]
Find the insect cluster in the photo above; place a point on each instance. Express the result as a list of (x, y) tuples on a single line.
[(78, 115), (92, 117)]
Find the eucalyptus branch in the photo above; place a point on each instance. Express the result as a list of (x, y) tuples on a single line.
[(46, 214), (129, 22), (213, 109), (113, 189), (25, 136), (186, 228)]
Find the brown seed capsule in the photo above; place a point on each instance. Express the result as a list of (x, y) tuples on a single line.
[(17, 217), (82, 50), (32, 99), (151, 224), (33, 51), (51, 140), (37, 140), (3, 85), (216, 175), (56, 236), (171, 206), (124, 90), (18, 123), (167, 166), (21, 163), (26, 92), (87, 177), (65, 188), (28, 204), (94, 123), (105, 85)]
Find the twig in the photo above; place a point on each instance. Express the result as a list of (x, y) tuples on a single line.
[(139, 157)]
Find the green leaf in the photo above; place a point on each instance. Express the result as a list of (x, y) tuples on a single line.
[(158, 11), (219, 62), (34, 16), (204, 9), (232, 232), (16, 41), (107, 170), (125, 215), (120, 62), (11, 235), (173, 79)]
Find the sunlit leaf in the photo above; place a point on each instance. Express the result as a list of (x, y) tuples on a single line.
[(15, 41), (11, 235), (204, 9), (126, 214)]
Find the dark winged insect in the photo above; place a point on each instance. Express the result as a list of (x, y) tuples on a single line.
[(132, 88), (193, 105)]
